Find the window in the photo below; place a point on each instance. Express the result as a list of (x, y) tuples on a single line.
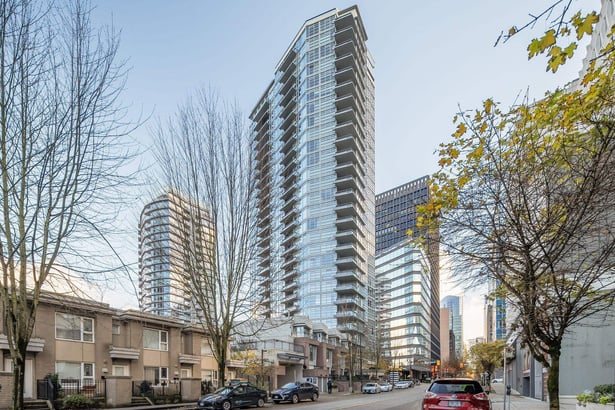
[(122, 370), (155, 339), (74, 373), (72, 327), (210, 376), (313, 355), (156, 375), (312, 145), (186, 373), (313, 158), (115, 329), (312, 223), (205, 348)]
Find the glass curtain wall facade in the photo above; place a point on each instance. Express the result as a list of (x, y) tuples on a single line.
[(313, 137), (495, 314), (453, 303), (404, 296), (163, 227), (396, 215)]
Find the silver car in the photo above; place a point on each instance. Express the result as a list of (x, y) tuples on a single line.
[(371, 388), (386, 387)]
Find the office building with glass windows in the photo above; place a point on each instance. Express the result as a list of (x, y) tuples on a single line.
[(410, 316), (313, 137), (404, 308), (163, 228)]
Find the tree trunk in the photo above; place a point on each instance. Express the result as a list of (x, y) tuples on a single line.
[(222, 370), (19, 366), (553, 382)]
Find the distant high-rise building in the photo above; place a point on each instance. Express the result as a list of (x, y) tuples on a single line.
[(396, 223), (314, 134), (163, 232), (495, 314), (404, 306), (454, 305), (396, 212), (445, 333)]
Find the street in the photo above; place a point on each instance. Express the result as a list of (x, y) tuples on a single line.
[(407, 399)]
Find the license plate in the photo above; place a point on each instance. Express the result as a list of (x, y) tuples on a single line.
[(454, 403)]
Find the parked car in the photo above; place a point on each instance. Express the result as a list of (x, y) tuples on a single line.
[(232, 396), (295, 392), (371, 388), (497, 381), (386, 387), (458, 393), (402, 384)]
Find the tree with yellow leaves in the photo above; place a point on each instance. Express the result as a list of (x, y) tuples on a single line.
[(526, 196)]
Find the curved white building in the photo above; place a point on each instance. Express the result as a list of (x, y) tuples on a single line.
[(163, 227)]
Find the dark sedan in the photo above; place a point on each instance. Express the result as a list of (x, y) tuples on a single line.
[(230, 397), (295, 392)]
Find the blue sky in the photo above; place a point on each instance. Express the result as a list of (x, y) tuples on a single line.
[(431, 57)]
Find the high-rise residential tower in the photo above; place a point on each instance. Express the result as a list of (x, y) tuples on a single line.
[(313, 134), (163, 229), (396, 223)]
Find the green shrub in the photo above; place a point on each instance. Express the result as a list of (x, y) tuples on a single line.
[(604, 399), (585, 397), (77, 401), (605, 389), (145, 388)]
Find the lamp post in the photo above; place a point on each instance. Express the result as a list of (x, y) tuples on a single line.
[(350, 365), (262, 367)]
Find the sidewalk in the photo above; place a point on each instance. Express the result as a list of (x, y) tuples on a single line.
[(515, 401)]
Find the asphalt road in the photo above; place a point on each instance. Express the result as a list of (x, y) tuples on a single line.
[(407, 399)]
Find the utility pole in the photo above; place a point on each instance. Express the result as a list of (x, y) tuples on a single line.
[(262, 366), (504, 378)]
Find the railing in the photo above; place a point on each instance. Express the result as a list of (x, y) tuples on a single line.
[(153, 390), (45, 390), (89, 388)]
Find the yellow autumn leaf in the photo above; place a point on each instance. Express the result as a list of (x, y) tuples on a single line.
[(461, 129), (547, 40), (488, 104)]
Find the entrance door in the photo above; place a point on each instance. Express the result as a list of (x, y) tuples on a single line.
[(28, 383), (28, 388)]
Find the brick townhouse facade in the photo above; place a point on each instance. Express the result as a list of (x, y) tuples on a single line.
[(86, 343)]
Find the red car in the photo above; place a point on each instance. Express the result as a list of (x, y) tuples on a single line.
[(443, 394)]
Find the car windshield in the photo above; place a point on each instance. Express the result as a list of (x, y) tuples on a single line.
[(223, 390), (289, 385)]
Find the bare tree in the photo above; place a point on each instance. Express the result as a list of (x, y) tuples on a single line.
[(61, 151), (205, 155)]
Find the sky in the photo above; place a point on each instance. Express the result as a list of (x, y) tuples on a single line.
[(432, 58)]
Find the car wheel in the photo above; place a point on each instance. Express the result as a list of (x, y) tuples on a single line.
[(314, 396), (260, 403), (227, 405), (295, 399)]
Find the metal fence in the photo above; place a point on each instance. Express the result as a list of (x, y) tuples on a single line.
[(90, 388), (47, 390), (161, 389)]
